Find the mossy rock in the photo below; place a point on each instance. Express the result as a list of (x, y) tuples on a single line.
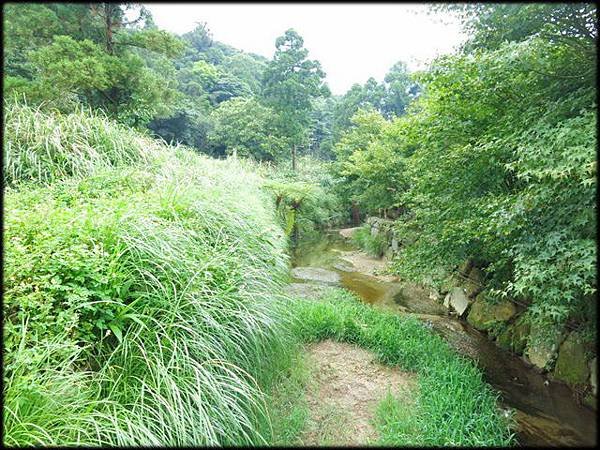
[(465, 267), (505, 338), (485, 316), (542, 345), (571, 364), (514, 336), (474, 284)]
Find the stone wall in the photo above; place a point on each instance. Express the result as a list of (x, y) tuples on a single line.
[(562, 353), (385, 228)]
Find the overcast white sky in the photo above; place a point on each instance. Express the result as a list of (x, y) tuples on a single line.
[(352, 41)]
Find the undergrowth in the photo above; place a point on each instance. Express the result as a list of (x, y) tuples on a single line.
[(373, 245)]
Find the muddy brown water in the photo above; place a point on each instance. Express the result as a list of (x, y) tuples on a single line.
[(546, 411)]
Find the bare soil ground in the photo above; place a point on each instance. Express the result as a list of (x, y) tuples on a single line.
[(346, 384)]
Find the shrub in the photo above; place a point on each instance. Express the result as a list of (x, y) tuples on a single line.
[(374, 245)]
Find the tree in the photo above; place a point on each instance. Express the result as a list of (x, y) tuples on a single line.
[(371, 94), (93, 56), (397, 95), (247, 68), (291, 83), (245, 127)]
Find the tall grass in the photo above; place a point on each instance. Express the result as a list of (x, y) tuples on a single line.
[(44, 147), (162, 280)]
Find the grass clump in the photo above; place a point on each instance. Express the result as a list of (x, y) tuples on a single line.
[(454, 406), (161, 282), (43, 147), (373, 245)]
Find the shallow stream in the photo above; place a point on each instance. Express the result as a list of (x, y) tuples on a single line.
[(546, 412)]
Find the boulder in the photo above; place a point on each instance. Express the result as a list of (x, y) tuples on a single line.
[(594, 375), (347, 233), (474, 283), (542, 345), (571, 364), (418, 299), (485, 315), (457, 300), (315, 274)]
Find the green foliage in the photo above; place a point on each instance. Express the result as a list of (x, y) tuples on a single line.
[(495, 161), (490, 25), (390, 98), (368, 162), (510, 182), (454, 406), (305, 199), (398, 90), (374, 245), (161, 282), (288, 407), (245, 127), (291, 83), (89, 56), (45, 147)]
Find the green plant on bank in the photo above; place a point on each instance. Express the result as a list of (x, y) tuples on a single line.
[(454, 406), (304, 198), (45, 147), (141, 301), (374, 245)]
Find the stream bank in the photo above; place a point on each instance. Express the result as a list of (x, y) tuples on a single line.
[(546, 411)]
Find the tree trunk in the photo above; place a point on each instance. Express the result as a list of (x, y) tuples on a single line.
[(294, 157), (355, 214)]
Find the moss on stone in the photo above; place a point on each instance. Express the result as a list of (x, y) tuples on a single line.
[(485, 316), (571, 364)]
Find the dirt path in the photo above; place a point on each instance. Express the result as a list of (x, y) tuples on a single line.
[(347, 383)]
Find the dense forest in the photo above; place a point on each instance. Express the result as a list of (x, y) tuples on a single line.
[(156, 187)]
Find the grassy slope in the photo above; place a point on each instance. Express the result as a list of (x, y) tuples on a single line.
[(141, 293)]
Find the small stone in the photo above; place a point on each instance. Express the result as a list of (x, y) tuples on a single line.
[(458, 300)]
